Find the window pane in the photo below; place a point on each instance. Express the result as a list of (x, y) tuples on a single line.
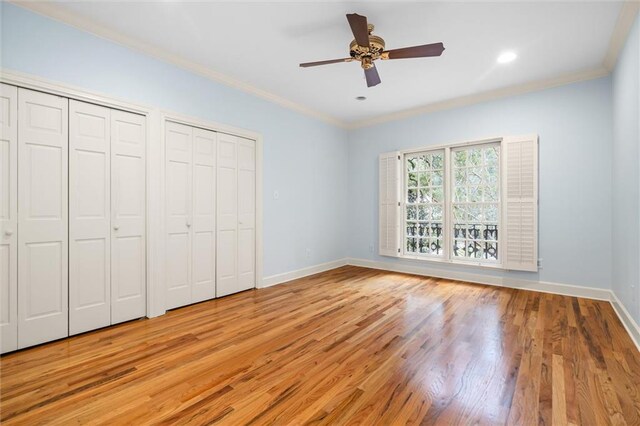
[(412, 212), (412, 182), (411, 245), (425, 203), (476, 202), (424, 212), (438, 160), (412, 164)]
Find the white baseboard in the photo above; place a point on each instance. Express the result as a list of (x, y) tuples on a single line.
[(545, 287), (542, 286), (627, 320), (301, 273)]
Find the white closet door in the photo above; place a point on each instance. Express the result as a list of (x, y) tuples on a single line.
[(227, 208), (128, 208), (42, 218), (89, 217), (204, 220), (246, 214), (8, 218), (178, 195)]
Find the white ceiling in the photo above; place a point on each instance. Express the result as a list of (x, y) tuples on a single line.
[(262, 43)]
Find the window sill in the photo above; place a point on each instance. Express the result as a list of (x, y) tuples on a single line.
[(452, 262)]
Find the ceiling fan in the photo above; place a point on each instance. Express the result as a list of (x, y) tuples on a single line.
[(367, 47)]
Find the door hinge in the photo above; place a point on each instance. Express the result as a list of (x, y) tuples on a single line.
[(398, 250), (398, 157), (398, 203)]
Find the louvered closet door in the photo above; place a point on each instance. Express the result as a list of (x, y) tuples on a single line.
[(89, 217), (204, 218), (178, 195), (128, 213), (42, 217), (8, 218), (246, 214), (227, 207)]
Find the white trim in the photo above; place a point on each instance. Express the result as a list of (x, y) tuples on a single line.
[(627, 16), (626, 319), (455, 144), (520, 89), (541, 286), (53, 11), (53, 87), (603, 294), (301, 273), (209, 125)]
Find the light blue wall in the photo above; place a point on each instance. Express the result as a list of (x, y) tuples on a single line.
[(304, 159), (626, 174), (308, 161), (574, 126)]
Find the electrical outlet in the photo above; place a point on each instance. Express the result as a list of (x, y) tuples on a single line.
[(276, 195), (308, 253), (370, 248)]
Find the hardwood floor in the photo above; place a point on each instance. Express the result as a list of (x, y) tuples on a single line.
[(350, 346)]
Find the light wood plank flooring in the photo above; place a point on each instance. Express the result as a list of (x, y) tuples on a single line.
[(350, 346)]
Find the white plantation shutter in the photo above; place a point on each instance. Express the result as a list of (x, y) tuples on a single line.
[(520, 220), (389, 204)]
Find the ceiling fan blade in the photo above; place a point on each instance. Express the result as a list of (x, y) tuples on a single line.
[(373, 79), (330, 61), (426, 50), (359, 28)]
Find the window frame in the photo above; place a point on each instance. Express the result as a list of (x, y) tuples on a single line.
[(447, 221)]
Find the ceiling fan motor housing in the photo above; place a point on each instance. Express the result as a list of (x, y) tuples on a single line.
[(366, 55)]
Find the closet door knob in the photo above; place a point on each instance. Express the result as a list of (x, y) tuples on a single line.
[(116, 227), (188, 224), (8, 232)]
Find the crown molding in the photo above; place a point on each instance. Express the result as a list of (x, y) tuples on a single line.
[(51, 10), (621, 31), (625, 21), (491, 95)]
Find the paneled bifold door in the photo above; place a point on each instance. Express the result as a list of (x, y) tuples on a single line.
[(128, 217), (42, 217), (8, 218), (236, 214), (106, 217), (190, 214), (72, 217), (89, 217)]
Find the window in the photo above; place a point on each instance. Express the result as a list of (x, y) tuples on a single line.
[(476, 202), (462, 224), (473, 203), (424, 203)]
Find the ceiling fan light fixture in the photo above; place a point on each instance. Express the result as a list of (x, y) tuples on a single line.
[(506, 57)]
